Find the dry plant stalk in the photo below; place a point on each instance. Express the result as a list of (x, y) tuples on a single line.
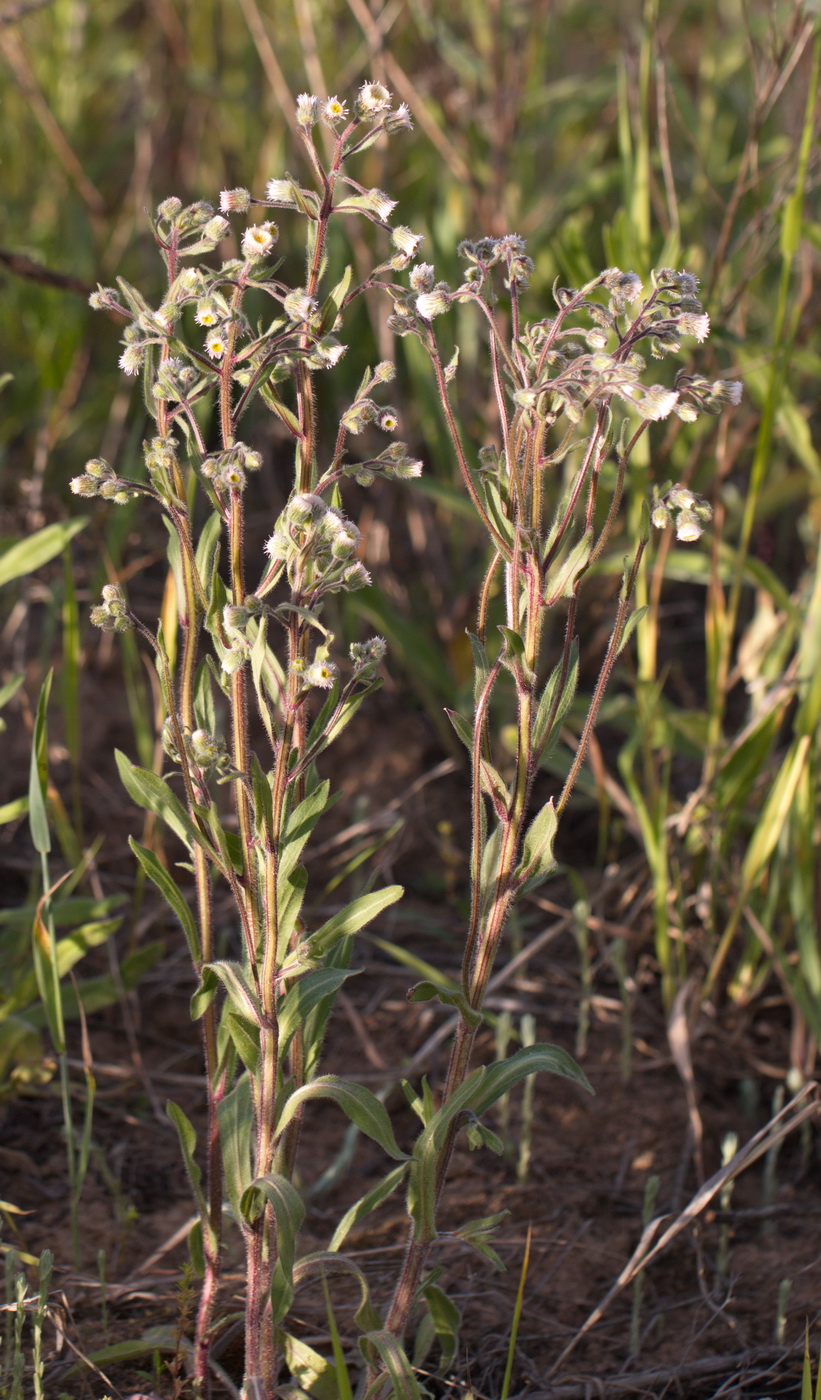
[(565, 389)]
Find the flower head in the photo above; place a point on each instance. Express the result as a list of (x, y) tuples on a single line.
[(258, 240), (373, 99), (334, 110)]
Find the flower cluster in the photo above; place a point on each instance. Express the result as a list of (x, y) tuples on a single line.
[(227, 470), (100, 479), (690, 512), (318, 547), (112, 614), (207, 754)]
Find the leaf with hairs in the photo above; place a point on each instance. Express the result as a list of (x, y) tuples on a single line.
[(384, 1346), (352, 918), (304, 995), (236, 1117), (357, 1103), (367, 1203), (171, 893)]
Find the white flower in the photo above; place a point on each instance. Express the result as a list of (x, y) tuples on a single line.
[(407, 241), (235, 201), (373, 99), (334, 110), (216, 344), (280, 192), (688, 527), (320, 673), (131, 360), (307, 109), (697, 326), (258, 240)]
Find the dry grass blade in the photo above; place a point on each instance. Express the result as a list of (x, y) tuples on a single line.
[(678, 1038), (801, 1108)]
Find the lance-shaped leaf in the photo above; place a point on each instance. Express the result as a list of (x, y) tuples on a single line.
[(537, 854), (245, 1037), (188, 1143), (562, 580), (358, 1103), (491, 779), (35, 550), (314, 1376), (306, 994), (235, 1114), (289, 1212), (445, 1320), (426, 1153), (322, 1263), (150, 791), (241, 995), (207, 547), (171, 893), (332, 305), (290, 896), (481, 666), (352, 918), (629, 627), (299, 826), (504, 1075), (366, 1204), (545, 730), (384, 1347)]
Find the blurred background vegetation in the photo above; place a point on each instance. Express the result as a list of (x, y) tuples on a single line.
[(683, 133)]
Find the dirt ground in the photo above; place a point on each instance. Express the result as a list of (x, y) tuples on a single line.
[(577, 1167)]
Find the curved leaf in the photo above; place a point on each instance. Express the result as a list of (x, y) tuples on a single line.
[(352, 918), (358, 1103)]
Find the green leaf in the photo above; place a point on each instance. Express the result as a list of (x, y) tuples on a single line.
[(151, 791), (313, 1374), (563, 579), (504, 1075), (38, 549), (480, 1135), (300, 824), (333, 302), (358, 1103), (366, 1204), (171, 893), (305, 994), (324, 1262), (241, 995), (236, 1118), (352, 918), (289, 1211), (290, 897), (206, 552), (630, 626), (245, 1036), (435, 991), (481, 666), (263, 802), (38, 773), (544, 739), (446, 1319), (188, 1143), (537, 854), (384, 1347)]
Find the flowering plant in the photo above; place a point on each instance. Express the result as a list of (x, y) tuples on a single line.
[(567, 390)]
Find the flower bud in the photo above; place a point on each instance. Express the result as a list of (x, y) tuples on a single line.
[(422, 277), (372, 100), (434, 303), (307, 110), (235, 201)]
